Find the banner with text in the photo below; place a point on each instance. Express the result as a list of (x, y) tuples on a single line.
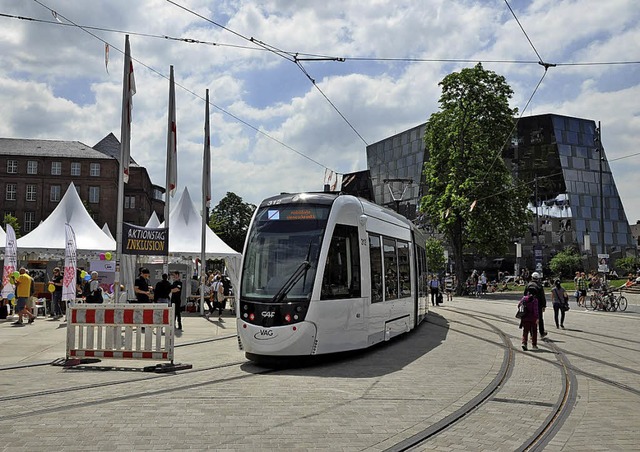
[(145, 241)]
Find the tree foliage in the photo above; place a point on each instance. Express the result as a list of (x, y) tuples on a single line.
[(471, 196), (435, 255), (13, 221), (565, 263), (230, 220), (626, 265)]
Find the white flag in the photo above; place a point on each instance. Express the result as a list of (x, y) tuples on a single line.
[(128, 90), (172, 137), (10, 261), (206, 160), (70, 265)]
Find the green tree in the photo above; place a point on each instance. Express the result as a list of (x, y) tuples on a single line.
[(471, 197), (565, 263), (230, 220), (626, 265), (13, 221), (435, 255)]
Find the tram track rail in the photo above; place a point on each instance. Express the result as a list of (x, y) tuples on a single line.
[(542, 435)]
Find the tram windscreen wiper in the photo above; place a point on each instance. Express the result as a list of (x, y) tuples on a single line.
[(293, 279)]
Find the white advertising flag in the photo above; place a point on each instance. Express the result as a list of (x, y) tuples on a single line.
[(10, 261), (70, 265), (128, 90)]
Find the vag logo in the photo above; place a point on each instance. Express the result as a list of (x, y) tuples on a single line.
[(264, 335), (269, 314)]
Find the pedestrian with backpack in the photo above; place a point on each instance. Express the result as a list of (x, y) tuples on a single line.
[(528, 314), (560, 301), (535, 288)]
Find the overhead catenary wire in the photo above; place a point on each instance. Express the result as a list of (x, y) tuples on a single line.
[(226, 112)]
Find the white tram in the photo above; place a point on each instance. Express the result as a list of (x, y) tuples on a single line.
[(325, 273)]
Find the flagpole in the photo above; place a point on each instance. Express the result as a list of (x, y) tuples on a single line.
[(171, 169), (125, 142), (206, 198)]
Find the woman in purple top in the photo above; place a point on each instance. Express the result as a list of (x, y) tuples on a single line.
[(529, 322)]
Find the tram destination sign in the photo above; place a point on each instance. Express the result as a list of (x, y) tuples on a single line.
[(145, 241)]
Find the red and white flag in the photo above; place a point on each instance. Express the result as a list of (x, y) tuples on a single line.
[(10, 261), (206, 160), (128, 90), (172, 137), (70, 265)]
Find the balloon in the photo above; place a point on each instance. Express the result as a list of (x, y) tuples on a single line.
[(51, 288), (107, 255), (12, 280), (102, 256), (10, 296), (83, 274), (15, 274), (13, 302), (87, 277), (111, 288)]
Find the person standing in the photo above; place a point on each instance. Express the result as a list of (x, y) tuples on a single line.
[(162, 291), (434, 287), (559, 299), (448, 287), (93, 292), (176, 297), (56, 296), (23, 293), (141, 286), (581, 287), (535, 288)]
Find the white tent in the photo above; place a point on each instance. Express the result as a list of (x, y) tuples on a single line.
[(50, 234), (153, 222), (106, 230), (3, 237), (185, 238)]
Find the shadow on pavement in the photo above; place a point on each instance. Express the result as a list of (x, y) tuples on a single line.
[(380, 359)]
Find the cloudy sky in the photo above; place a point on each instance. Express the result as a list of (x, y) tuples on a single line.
[(272, 130)]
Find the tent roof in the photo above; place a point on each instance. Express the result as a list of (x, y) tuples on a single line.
[(3, 237), (185, 232), (154, 221), (106, 230), (50, 234)]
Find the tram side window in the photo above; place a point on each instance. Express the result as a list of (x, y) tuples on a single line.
[(341, 277), (404, 269), (390, 268), (375, 258), (421, 271)]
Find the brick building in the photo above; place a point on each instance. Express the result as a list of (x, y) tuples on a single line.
[(36, 174)]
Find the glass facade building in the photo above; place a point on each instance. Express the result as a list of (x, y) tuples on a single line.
[(558, 156)]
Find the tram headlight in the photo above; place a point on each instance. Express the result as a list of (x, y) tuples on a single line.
[(287, 318), (252, 316)]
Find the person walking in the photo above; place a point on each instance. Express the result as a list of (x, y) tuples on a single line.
[(434, 287), (529, 320), (535, 288), (23, 293), (560, 301), (162, 291), (176, 298)]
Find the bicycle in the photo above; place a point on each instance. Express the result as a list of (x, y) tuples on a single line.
[(604, 300), (621, 300)]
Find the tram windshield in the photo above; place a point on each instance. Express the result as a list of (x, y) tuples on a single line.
[(283, 246)]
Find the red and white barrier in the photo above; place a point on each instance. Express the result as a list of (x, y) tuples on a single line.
[(115, 331)]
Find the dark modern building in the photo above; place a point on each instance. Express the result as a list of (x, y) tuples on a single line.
[(36, 174), (560, 153)]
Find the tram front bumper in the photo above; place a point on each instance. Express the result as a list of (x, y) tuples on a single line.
[(289, 340)]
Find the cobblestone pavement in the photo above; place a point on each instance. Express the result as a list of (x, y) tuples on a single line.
[(369, 400)]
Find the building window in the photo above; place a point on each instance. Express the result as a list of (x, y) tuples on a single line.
[(56, 168), (29, 221), (94, 195), (32, 167), (94, 169), (55, 193), (12, 166), (31, 192), (10, 192), (75, 168), (129, 202)]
